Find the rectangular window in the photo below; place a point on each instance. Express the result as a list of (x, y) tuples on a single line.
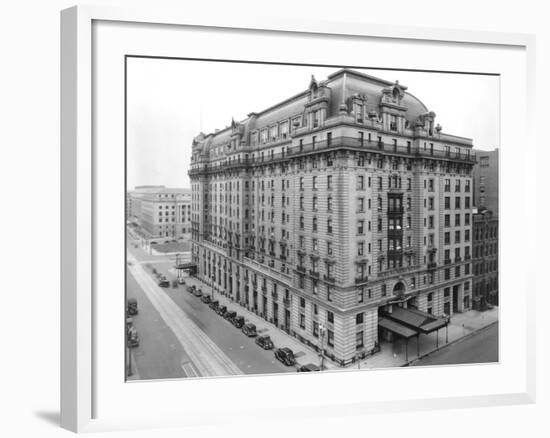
[(359, 343), (330, 338)]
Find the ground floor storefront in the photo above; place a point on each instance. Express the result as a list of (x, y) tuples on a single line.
[(344, 336)]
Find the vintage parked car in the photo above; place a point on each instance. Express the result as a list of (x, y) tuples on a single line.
[(308, 367), (132, 306), (229, 315), (238, 321), (250, 330), (190, 289), (214, 304), (286, 356), (265, 342), (132, 337), (206, 299), (221, 310), (197, 292)]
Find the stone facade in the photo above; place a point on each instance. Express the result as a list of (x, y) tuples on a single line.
[(486, 181), (485, 261), (340, 201)]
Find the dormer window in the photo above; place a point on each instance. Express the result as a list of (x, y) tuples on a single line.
[(395, 93), (284, 130), (393, 123), (315, 119), (358, 110)]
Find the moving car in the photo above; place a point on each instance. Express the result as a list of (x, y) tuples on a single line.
[(221, 310), (308, 367), (163, 282), (238, 321), (197, 292), (249, 330), (181, 280), (265, 342), (132, 306), (214, 304), (206, 299), (286, 356), (229, 315)]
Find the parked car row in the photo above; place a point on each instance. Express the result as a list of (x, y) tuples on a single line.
[(132, 337), (284, 355)]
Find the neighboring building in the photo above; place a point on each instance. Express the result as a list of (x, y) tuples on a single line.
[(161, 212), (325, 212), (485, 260), (133, 201), (486, 181), (485, 263)]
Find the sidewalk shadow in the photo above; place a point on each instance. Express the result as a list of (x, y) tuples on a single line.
[(51, 417)]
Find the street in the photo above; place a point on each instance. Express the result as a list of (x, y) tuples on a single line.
[(480, 347), (180, 336)]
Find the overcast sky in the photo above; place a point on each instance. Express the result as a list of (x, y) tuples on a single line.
[(171, 101)]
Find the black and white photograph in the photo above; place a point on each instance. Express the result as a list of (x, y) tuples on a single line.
[(287, 218)]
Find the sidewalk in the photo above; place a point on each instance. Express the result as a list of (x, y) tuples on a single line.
[(462, 324), (304, 354), (391, 354)]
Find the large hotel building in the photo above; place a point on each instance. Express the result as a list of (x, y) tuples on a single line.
[(331, 210)]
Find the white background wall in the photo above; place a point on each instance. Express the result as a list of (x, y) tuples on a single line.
[(29, 139)]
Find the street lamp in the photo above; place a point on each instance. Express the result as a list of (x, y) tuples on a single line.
[(322, 330)]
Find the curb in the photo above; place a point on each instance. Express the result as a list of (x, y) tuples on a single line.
[(449, 344)]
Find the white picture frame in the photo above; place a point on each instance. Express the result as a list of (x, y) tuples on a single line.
[(79, 216)]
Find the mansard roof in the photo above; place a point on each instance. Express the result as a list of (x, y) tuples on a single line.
[(342, 85)]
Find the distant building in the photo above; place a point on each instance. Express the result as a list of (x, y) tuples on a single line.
[(486, 181), (161, 212), (339, 215), (133, 201), (485, 260)]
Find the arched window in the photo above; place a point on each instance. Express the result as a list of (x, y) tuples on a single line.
[(399, 289)]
